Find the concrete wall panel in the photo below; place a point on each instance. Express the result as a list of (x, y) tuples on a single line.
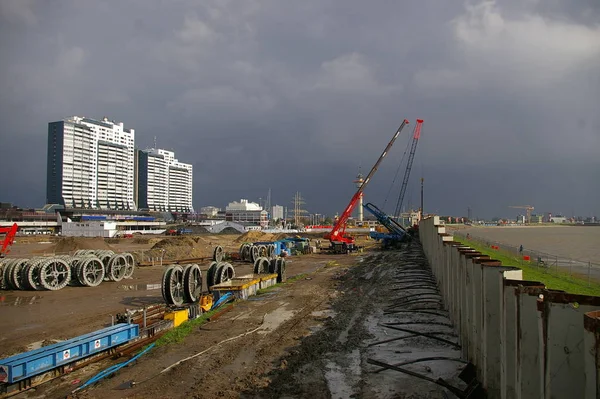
[(525, 341)]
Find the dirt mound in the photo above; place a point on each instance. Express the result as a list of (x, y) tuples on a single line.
[(180, 248), (68, 244), (253, 236)]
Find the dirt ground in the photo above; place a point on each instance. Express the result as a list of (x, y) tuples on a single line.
[(314, 337)]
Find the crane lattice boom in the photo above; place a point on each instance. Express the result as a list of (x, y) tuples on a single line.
[(411, 157), (336, 235)]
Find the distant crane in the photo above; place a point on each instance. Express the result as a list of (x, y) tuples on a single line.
[(529, 208)]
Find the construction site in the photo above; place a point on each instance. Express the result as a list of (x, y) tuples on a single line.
[(396, 312)]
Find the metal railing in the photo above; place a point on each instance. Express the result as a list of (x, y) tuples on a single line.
[(550, 263)]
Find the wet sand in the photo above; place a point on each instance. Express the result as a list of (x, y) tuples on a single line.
[(571, 242)]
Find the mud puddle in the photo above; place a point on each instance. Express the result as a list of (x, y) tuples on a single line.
[(13, 300)]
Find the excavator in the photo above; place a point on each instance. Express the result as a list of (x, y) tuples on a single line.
[(9, 238), (340, 242)]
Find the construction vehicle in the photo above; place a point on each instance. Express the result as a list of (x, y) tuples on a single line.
[(411, 157), (395, 234), (340, 243), (9, 238)]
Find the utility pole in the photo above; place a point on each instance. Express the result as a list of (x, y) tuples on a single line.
[(422, 180), (298, 211), (469, 213)]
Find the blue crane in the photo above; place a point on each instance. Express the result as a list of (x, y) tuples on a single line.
[(411, 157)]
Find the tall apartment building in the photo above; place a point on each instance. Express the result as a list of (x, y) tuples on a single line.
[(277, 212), (90, 164), (164, 183)]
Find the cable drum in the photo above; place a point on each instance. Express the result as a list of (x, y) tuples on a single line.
[(165, 282), (55, 274), (281, 274), (273, 265), (16, 277), (254, 253), (32, 276), (261, 265), (90, 271), (262, 251), (218, 253), (7, 274), (192, 283), (210, 275), (130, 268), (245, 251), (117, 266), (174, 291), (2, 268), (225, 272)]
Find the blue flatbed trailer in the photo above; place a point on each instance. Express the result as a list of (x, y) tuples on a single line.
[(28, 364)]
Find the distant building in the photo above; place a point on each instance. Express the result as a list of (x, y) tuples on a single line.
[(164, 183), (90, 164), (536, 219), (210, 211), (245, 211), (558, 219), (277, 212)]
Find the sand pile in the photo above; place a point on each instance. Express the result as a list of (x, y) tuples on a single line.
[(253, 236), (180, 248), (68, 244)]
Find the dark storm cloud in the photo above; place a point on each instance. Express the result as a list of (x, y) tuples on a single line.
[(295, 96)]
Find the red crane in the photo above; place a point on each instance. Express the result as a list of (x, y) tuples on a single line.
[(8, 239), (340, 243)]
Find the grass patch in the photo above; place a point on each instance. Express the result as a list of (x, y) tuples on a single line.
[(553, 279), (176, 335), (288, 281)]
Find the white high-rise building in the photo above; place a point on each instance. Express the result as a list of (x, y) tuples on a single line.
[(164, 183), (90, 164), (277, 212)]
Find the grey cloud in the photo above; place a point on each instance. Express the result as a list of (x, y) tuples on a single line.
[(295, 96)]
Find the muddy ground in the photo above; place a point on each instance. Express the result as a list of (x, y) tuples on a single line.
[(314, 337)]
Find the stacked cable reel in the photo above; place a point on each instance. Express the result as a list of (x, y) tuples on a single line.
[(184, 284), (86, 268)]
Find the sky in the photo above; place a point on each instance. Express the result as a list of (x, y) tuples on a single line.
[(300, 96)]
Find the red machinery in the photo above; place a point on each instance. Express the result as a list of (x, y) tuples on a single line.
[(8, 239), (340, 243)]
